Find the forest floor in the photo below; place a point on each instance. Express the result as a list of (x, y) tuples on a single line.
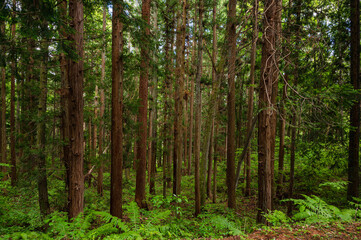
[(335, 230)]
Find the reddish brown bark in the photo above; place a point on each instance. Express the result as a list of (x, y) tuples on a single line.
[(215, 157), (76, 135), (198, 110), (250, 95), (266, 122), (64, 95), (281, 154), (3, 107), (117, 118), (12, 107), (231, 148), (101, 110), (294, 115), (142, 114), (41, 131)]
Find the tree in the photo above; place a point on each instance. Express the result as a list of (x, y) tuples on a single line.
[(64, 95), (250, 95), (179, 96), (142, 114), (294, 127), (12, 102), (3, 102), (266, 104), (101, 110), (198, 110), (169, 39), (75, 78), (117, 107), (354, 135), (231, 58), (41, 127)]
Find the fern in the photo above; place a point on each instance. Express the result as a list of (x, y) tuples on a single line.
[(103, 230), (277, 218), (113, 221), (339, 185), (313, 209), (134, 213)]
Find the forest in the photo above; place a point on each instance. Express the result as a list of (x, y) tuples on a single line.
[(180, 119)]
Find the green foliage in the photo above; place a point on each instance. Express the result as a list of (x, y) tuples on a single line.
[(170, 202), (313, 209), (18, 210), (339, 185), (277, 218)]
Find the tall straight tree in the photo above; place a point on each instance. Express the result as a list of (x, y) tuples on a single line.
[(167, 92), (3, 101), (142, 114), (250, 95), (76, 105), (41, 128), (102, 109), (266, 123), (198, 110), (12, 102), (354, 135), (179, 94), (231, 138), (191, 99), (64, 96), (294, 114), (117, 106), (214, 79), (153, 113)]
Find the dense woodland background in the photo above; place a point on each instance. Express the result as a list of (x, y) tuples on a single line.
[(185, 119)]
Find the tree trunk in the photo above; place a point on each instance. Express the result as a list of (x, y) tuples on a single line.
[(198, 109), (142, 114), (117, 115), (191, 107), (179, 97), (250, 95), (12, 105), (3, 106), (281, 155), (215, 157), (154, 108), (41, 132), (294, 115), (277, 47), (266, 124), (101, 110), (231, 148), (354, 135), (94, 131), (64, 96), (210, 161), (167, 127), (76, 135)]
